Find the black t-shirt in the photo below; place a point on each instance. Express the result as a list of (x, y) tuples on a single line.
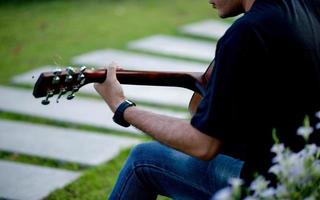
[(266, 76)]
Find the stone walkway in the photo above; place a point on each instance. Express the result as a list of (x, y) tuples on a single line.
[(176, 46), (68, 145), (85, 111), (208, 28), (30, 182), (136, 61), (24, 181)]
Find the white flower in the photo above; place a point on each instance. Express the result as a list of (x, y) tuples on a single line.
[(296, 171), (235, 182), (277, 148), (318, 114), (305, 132), (278, 158), (268, 193), (259, 184), (292, 167), (316, 167), (281, 191), (311, 149), (275, 169), (250, 198), (223, 194), (310, 198), (281, 153)]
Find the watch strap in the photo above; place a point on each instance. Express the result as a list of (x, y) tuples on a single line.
[(118, 114)]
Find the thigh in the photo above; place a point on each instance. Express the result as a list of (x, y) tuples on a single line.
[(178, 175)]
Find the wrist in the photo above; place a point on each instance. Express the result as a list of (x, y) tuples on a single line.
[(116, 104), (118, 116)]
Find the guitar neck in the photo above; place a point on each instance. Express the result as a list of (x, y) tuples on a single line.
[(189, 80), (51, 83)]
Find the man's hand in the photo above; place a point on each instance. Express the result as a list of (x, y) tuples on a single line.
[(110, 90)]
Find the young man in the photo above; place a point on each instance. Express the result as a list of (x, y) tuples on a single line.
[(266, 77)]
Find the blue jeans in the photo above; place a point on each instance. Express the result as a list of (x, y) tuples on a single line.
[(153, 168)]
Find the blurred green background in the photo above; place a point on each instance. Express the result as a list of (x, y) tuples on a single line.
[(51, 32), (36, 33)]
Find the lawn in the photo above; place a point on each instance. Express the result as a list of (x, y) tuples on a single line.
[(51, 32), (38, 33)]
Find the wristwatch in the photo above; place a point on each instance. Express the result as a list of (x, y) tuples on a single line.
[(118, 114)]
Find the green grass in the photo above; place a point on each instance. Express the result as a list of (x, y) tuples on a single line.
[(43, 121), (34, 160), (51, 32), (95, 183)]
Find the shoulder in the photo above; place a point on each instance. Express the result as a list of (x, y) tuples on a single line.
[(261, 22), (241, 33), (265, 15)]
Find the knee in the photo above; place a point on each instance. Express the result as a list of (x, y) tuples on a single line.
[(146, 151)]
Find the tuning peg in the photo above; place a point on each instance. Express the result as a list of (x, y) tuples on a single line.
[(71, 96), (56, 78), (81, 76), (74, 90), (46, 100), (70, 70), (62, 92), (68, 78), (57, 71), (83, 68)]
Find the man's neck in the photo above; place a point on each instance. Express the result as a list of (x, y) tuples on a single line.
[(247, 4)]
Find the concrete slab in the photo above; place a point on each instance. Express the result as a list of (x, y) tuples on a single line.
[(82, 147), (136, 61), (150, 94), (84, 111), (208, 28), (176, 46), (29, 182)]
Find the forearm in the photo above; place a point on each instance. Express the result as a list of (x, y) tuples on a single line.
[(176, 133)]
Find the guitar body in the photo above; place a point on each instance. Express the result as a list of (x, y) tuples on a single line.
[(197, 97)]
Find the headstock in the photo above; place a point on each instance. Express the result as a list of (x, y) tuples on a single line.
[(60, 82)]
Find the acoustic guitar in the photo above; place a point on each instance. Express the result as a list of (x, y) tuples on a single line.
[(60, 82)]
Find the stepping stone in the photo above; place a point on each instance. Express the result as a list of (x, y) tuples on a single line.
[(136, 61), (85, 111), (207, 28), (29, 182), (151, 94), (82, 147), (176, 46)]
